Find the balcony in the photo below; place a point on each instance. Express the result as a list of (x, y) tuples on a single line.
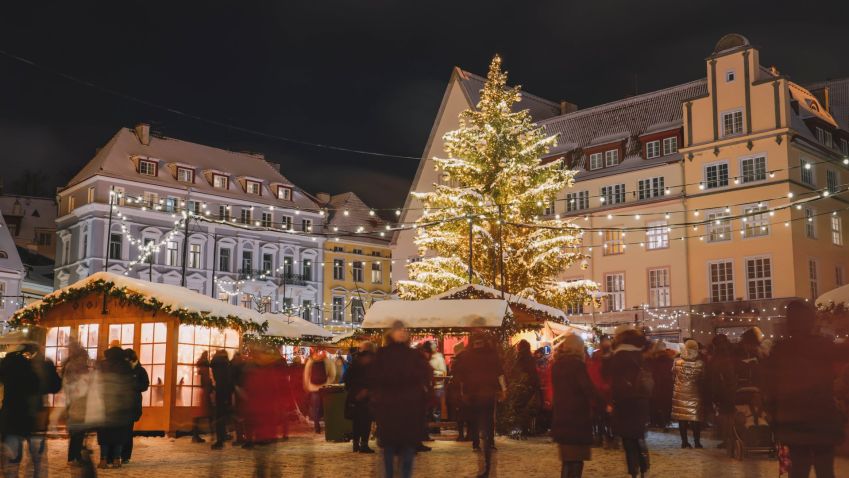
[(279, 277)]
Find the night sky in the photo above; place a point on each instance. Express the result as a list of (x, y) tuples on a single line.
[(359, 74)]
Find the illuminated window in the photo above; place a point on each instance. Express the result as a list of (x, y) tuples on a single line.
[(87, 335), (253, 187), (659, 287), (152, 358), (185, 175), (284, 193), (123, 333), (613, 242), (657, 235), (220, 181), (755, 220), (615, 288), (718, 226), (376, 273), (837, 230), (193, 340), (147, 167), (56, 350)]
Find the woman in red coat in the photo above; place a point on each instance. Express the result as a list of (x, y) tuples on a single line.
[(266, 391)]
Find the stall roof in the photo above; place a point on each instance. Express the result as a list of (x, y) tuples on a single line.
[(513, 299), (839, 295), (292, 327), (429, 313), (172, 296)]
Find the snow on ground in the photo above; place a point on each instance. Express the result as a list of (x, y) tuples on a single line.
[(308, 455)]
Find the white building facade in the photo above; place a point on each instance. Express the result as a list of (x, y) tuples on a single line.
[(249, 236), (11, 274)]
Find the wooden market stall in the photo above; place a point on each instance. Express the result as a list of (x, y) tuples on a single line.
[(294, 335), (169, 327)]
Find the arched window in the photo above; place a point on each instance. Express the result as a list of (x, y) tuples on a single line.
[(4, 255)]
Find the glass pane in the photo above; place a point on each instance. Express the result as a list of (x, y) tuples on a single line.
[(114, 332), (185, 354), (159, 353), (146, 333), (146, 355), (93, 332), (161, 332), (52, 334), (202, 335), (92, 353), (184, 396), (146, 398), (217, 338), (199, 350), (127, 332), (232, 338), (187, 334), (62, 354), (157, 396), (64, 336), (50, 353), (158, 375), (197, 396), (184, 375)]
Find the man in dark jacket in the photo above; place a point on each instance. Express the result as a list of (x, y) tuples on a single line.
[(631, 392), (482, 384), (27, 376), (722, 384), (358, 385), (118, 388), (141, 382), (799, 394), (222, 395)]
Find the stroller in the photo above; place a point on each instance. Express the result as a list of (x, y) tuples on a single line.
[(752, 433)]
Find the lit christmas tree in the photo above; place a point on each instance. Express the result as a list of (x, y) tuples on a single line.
[(497, 185)]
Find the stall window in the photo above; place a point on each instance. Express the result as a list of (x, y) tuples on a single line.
[(56, 349), (152, 358), (193, 341), (123, 334), (87, 335)]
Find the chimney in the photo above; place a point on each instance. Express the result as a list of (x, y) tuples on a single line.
[(323, 198), (142, 131), (822, 96), (566, 107)]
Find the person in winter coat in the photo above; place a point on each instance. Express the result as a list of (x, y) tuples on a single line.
[(524, 391), (440, 370), (76, 381), (749, 357), (596, 366), (204, 377), (26, 376), (458, 409), (401, 378), (141, 382), (630, 391), (688, 375), (265, 387), (722, 384), (118, 390), (358, 385), (574, 394), (799, 393), (222, 395), (482, 384), (237, 375), (319, 371), (660, 362)]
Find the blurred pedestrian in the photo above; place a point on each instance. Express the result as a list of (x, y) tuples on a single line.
[(687, 408), (319, 371), (265, 390), (596, 368), (358, 384), (660, 362), (118, 391), (483, 384), (341, 366), (401, 378), (722, 385), (237, 375), (76, 381), (456, 406), (440, 371), (523, 391), (631, 388), (27, 376), (749, 356), (222, 396), (574, 394), (141, 382), (799, 393), (204, 378)]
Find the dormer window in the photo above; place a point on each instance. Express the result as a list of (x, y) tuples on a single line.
[(595, 161), (185, 175), (730, 76), (670, 145), (824, 137), (611, 157), (147, 167), (219, 181), (284, 193), (653, 149), (253, 187)]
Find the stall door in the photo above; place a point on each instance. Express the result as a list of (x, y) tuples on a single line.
[(153, 340)]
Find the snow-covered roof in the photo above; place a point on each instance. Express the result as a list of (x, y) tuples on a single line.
[(809, 105), (838, 99), (173, 296), (293, 327), (837, 296), (417, 314), (10, 260), (358, 215), (539, 108), (115, 159), (514, 299)]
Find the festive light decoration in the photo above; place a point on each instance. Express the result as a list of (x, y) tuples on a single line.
[(496, 158)]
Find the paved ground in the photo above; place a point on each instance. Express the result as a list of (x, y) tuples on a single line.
[(306, 455)]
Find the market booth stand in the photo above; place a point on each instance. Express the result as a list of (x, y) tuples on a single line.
[(167, 325)]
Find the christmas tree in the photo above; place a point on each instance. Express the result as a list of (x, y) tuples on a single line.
[(497, 184)]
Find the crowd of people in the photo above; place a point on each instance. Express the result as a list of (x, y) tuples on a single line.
[(606, 396)]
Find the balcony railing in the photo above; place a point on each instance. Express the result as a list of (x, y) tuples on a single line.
[(289, 279)]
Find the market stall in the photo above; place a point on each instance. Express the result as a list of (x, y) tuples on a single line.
[(168, 326)]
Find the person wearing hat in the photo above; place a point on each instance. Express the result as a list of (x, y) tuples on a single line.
[(688, 372), (799, 393)]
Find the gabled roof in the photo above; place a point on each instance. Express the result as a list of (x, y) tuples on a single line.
[(115, 160), (809, 105), (838, 94), (358, 215), (12, 261), (538, 107)]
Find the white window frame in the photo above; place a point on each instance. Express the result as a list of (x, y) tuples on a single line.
[(286, 223), (306, 225), (719, 183), (836, 230), (727, 291), (736, 129), (611, 158), (614, 287), (730, 76), (613, 193), (194, 255), (758, 174), (220, 181), (253, 187), (224, 212), (246, 215), (337, 306), (338, 269), (653, 149), (577, 201), (670, 145), (755, 220), (148, 167), (596, 161), (810, 223), (759, 275), (825, 137), (844, 146), (172, 253), (657, 235), (183, 170), (120, 195), (717, 232), (376, 272), (267, 219), (357, 272), (151, 199), (284, 193), (808, 174), (651, 187), (660, 287)]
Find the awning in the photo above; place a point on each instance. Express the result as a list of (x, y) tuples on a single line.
[(292, 327), (430, 313), (839, 295)]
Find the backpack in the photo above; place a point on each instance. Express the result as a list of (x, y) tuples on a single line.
[(318, 373)]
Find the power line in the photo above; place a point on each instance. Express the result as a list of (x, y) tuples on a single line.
[(195, 117)]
